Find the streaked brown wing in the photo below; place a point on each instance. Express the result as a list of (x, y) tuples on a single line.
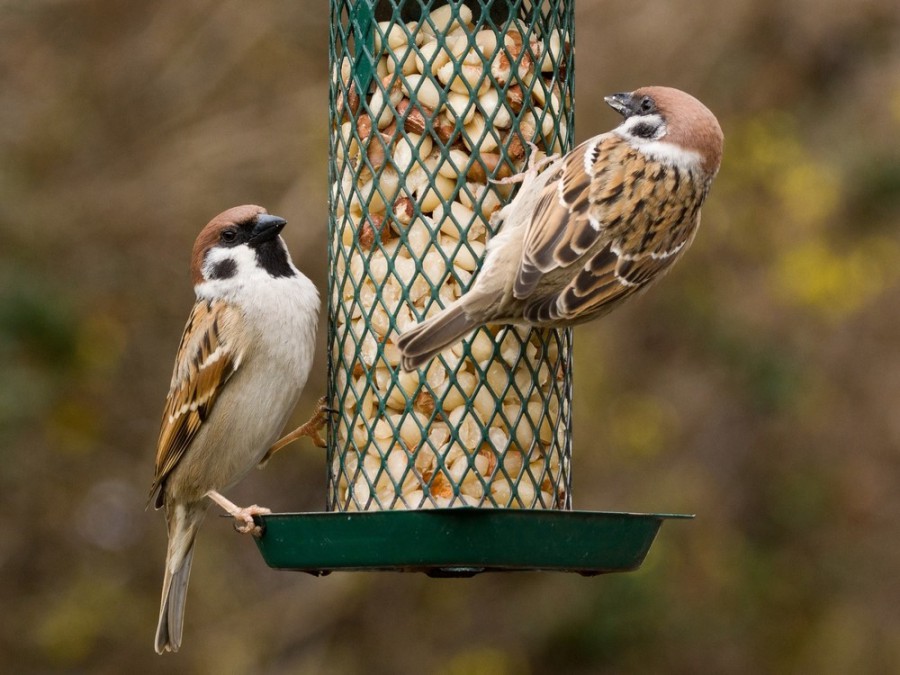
[(565, 225), (613, 222), (211, 351)]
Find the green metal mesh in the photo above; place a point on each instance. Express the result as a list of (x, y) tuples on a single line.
[(430, 101)]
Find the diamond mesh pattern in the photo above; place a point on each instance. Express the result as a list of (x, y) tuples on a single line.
[(430, 103)]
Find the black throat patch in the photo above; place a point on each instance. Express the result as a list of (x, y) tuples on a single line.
[(274, 259)]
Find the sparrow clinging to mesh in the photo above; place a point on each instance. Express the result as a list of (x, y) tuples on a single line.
[(592, 228), (244, 358)]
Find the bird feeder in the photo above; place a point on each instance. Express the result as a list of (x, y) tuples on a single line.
[(464, 465)]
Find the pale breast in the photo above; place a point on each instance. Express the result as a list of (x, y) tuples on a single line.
[(254, 406)]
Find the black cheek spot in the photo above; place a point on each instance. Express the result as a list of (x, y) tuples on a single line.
[(224, 269), (644, 130)]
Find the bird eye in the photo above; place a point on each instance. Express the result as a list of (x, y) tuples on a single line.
[(647, 105), (229, 235)]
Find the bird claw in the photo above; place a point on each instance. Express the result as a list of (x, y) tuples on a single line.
[(311, 428), (243, 519), (534, 166), (510, 180)]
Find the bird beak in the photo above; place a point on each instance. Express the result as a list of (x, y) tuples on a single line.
[(266, 228), (622, 103)]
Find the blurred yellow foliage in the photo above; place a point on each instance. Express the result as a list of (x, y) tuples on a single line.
[(810, 192), (836, 283), (641, 426), (72, 622), (101, 340), (73, 427), (766, 144), (772, 155), (485, 661)]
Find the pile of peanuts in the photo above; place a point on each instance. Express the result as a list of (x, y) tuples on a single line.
[(486, 424)]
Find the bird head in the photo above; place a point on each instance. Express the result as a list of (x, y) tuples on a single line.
[(675, 120), (241, 241)]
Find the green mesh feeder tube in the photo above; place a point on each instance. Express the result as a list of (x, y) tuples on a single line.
[(432, 105)]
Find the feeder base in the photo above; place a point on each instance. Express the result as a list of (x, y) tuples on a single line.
[(459, 542)]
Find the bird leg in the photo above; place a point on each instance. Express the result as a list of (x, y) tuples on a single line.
[(534, 167), (243, 517), (312, 428)]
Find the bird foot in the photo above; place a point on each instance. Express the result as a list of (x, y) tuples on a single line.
[(535, 166), (312, 428), (243, 517)]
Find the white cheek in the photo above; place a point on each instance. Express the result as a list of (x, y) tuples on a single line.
[(242, 256), (246, 269), (657, 147)]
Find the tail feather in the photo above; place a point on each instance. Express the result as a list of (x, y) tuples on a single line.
[(420, 344), (179, 556)]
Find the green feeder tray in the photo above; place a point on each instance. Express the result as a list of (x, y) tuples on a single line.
[(459, 542)]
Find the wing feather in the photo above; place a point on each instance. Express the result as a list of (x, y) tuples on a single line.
[(210, 353), (608, 224)]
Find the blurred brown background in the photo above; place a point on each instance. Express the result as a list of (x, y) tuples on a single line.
[(758, 386)]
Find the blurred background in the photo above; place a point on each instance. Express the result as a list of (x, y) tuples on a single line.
[(758, 386)]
